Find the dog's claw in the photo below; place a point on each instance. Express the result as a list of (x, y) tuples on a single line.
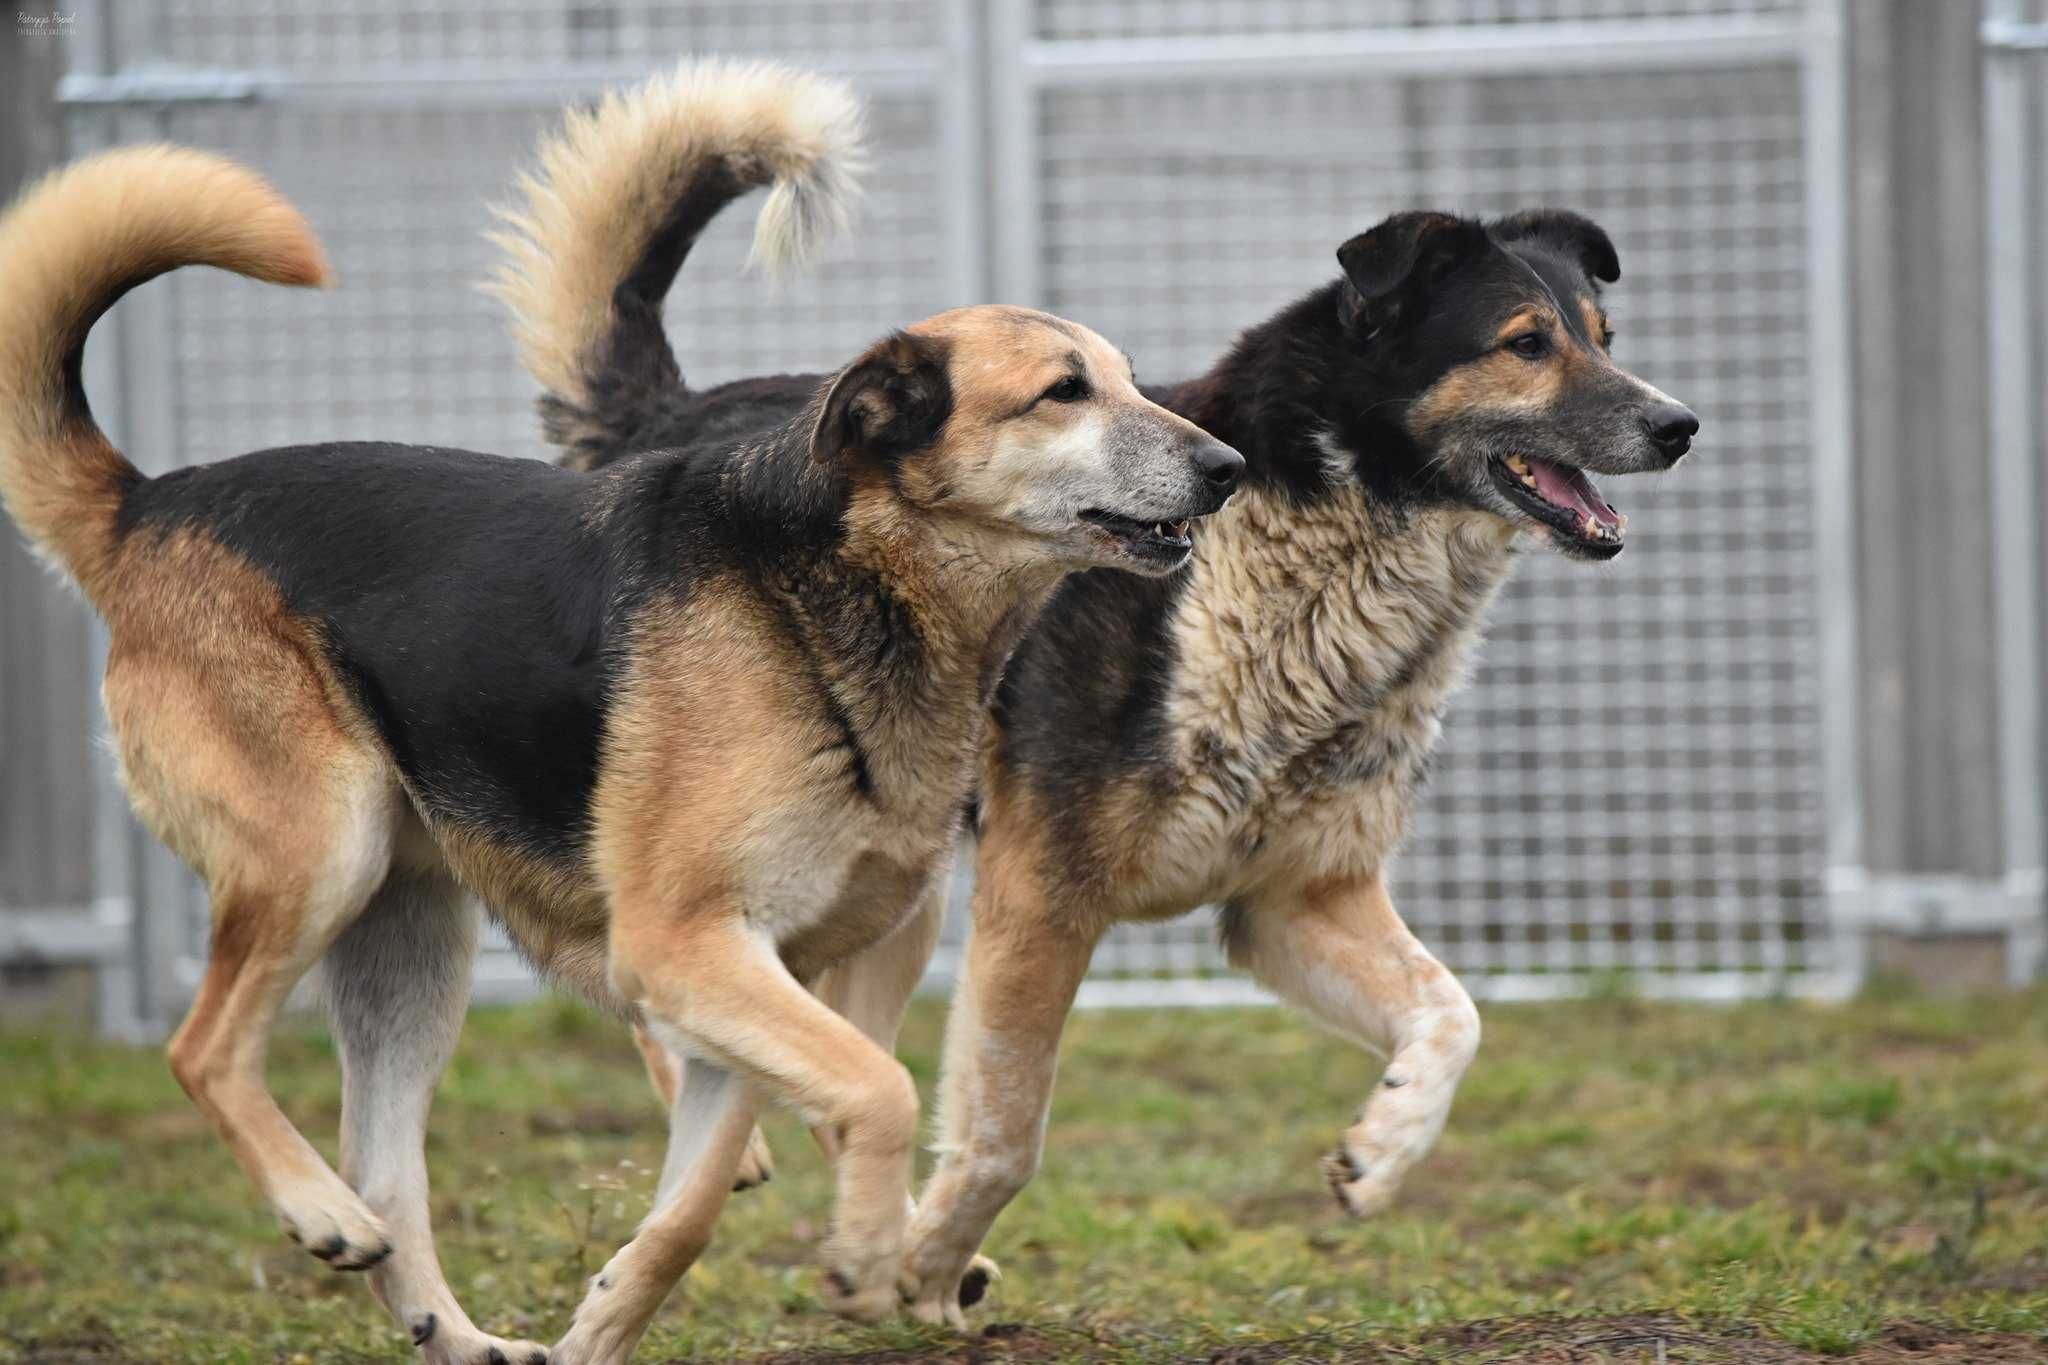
[(423, 1328)]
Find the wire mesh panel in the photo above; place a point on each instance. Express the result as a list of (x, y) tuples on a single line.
[(399, 182), (1632, 779)]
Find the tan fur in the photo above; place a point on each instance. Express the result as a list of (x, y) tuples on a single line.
[(1314, 652), (1337, 948), (1025, 961), (1596, 321), (606, 181), (553, 912), (1499, 381), (240, 751), (74, 242), (1295, 618)]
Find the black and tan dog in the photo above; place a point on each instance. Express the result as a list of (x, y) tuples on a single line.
[(695, 728), (1250, 732)]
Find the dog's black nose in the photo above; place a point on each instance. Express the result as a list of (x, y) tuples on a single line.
[(1220, 465), (1672, 427)]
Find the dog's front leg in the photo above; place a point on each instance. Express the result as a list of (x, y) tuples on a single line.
[(871, 989), (1025, 962), (715, 989), (1338, 949)]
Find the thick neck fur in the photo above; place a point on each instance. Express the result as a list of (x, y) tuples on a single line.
[(1303, 618), (908, 616), (1338, 558), (1329, 614)]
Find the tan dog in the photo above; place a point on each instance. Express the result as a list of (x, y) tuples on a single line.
[(696, 728)]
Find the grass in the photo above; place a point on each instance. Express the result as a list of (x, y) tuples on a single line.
[(1620, 1181)]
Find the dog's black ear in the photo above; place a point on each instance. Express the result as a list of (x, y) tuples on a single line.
[(891, 401), (1578, 236), (1416, 247)]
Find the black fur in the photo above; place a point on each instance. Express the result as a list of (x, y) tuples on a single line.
[(482, 607), (460, 596)]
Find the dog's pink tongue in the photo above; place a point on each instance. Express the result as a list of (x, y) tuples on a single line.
[(1573, 491)]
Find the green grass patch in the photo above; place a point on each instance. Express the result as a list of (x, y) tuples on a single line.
[(1621, 1178)]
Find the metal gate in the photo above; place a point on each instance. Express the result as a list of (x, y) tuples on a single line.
[(1643, 775)]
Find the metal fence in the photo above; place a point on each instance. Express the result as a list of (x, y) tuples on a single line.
[(1650, 770)]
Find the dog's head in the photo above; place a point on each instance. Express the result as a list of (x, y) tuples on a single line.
[(1032, 428), (1489, 341)]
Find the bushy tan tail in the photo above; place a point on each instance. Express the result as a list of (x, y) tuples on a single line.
[(71, 245), (618, 199)]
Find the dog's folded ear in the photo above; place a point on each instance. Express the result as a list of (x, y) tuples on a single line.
[(891, 401), (1578, 236), (1409, 248)]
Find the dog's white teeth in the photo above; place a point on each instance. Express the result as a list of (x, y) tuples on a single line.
[(1519, 465), (1624, 521), (1592, 526), (1528, 481)]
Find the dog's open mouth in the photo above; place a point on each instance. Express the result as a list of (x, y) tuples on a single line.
[(1563, 499), (1158, 542)]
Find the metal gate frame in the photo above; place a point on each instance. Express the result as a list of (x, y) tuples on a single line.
[(986, 73), (1023, 65)]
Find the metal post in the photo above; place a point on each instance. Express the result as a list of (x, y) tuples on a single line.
[(1013, 125), (963, 148), (1824, 99), (2013, 71)]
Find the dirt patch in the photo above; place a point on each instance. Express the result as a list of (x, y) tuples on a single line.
[(589, 1121), (1524, 1341)]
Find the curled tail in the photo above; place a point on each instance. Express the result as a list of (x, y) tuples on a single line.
[(618, 200), (71, 245)]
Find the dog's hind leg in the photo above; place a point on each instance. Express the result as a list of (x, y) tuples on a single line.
[(1340, 951), (240, 750), (398, 984), (268, 930)]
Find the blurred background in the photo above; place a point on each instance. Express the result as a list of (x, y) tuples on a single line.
[(1791, 741)]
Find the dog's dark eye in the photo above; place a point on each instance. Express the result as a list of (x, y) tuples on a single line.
[(1607, 339), (1072, 389), (1529, 345)]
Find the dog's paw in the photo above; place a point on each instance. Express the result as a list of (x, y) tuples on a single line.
[(439, 1345), (868, 1297), (943, 1303), (1352, 1179), (330, 1220), (595, 1339), (757, 1167)]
